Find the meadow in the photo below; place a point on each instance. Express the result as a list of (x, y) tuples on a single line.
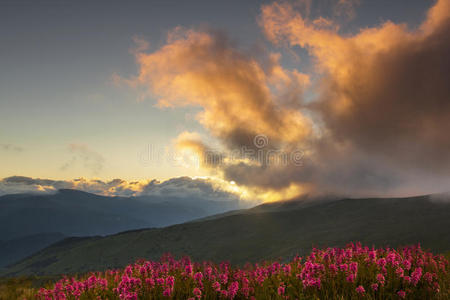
[(351, 272)]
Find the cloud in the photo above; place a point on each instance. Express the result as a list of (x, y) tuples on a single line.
[(385, 89), (378, 125), (190, 144), (22, 184), (240, 96), (187, 187), (182, 187), (11, 147), (90, 159), (346, 9)]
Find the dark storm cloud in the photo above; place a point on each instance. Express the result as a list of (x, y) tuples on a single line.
[(398, 103)]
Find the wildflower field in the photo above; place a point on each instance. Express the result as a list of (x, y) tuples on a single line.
[(353, 272)]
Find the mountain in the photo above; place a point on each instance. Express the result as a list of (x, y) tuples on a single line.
[(14, 250), (77, 213), (265, 232)]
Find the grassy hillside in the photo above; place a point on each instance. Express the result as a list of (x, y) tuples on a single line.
[(253, 236)]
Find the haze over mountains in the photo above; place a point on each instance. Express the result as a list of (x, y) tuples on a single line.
[(265, 232), (26, 218)]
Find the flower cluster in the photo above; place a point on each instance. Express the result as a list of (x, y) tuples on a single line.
[(353, 272)]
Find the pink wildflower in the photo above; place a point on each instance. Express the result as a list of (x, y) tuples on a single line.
[(198, 276), (170, 281), (343, 267), (351, 277), (428, 277), (167, 292), (401, 294), (354, 267), (281, 290), (399, 271), (381, 262), (380, 278), (197, 293), (407, 264), (233, 289), (360, 290), (415, 276)]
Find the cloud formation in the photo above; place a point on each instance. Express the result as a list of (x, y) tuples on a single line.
[(181, 187), (240, 96), (385, 90), (377, 126), (89, 159), (11, 147), (187, 187)]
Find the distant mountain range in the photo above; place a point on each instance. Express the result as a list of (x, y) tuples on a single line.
[(29, 222), (264, 232), (19, 248)]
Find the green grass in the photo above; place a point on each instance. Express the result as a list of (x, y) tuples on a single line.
[(23, 287)]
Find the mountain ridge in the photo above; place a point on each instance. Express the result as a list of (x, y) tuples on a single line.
[(78, 213), (251, 237)]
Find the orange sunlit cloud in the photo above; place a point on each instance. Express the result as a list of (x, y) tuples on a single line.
[(203, 69), (373, 115), (384, 89)]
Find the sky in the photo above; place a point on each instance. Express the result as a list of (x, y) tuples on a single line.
[(351, 96)]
